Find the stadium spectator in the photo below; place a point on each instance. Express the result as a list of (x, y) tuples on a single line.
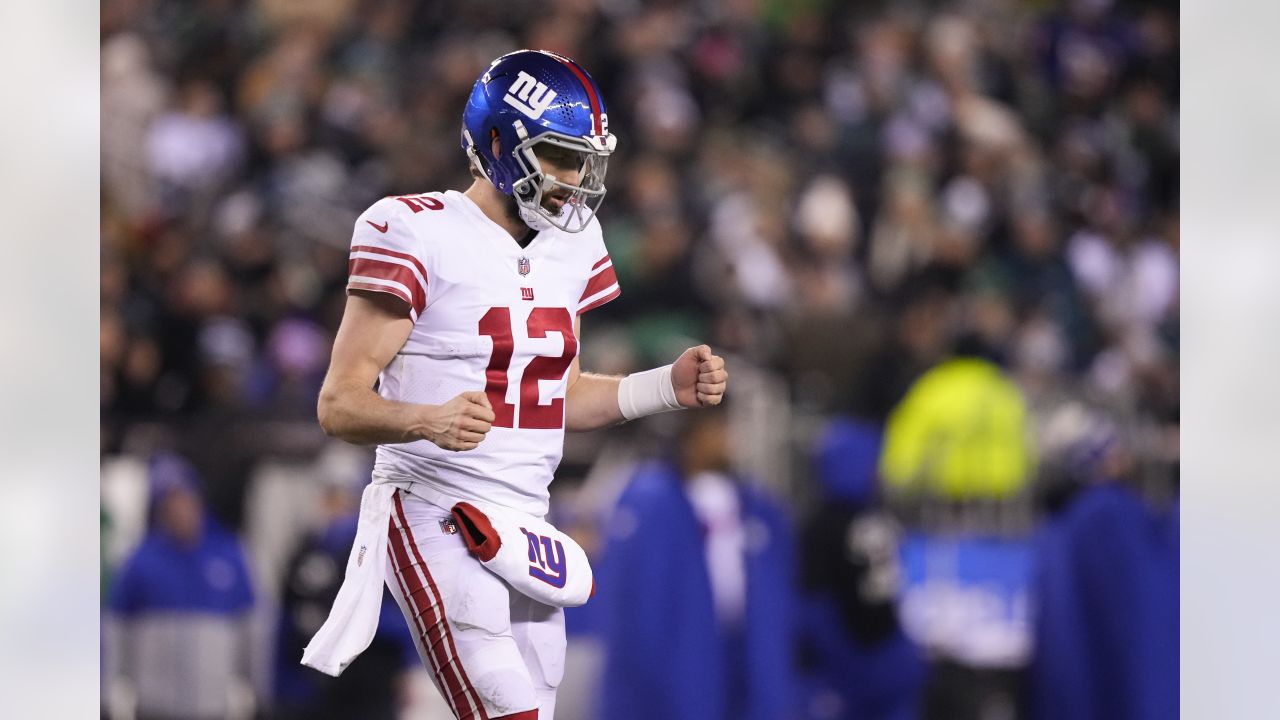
[(855, 659), (1106, 590), (957, 462), (177, 637), (697, 586)]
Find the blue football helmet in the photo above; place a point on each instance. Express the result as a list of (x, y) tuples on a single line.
[(529, 97)]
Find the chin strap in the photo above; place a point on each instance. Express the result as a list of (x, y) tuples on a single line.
[(534, 219)]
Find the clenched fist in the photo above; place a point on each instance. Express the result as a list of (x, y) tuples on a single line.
[(699, 378), (461, 423)]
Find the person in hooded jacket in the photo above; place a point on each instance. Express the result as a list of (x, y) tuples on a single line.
[(176, 631), (697, 591), (1106, 589), (856, 661)]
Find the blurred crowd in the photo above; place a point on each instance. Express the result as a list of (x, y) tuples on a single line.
[(902, 213)]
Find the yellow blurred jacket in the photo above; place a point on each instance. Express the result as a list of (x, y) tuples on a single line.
[(960, 433)]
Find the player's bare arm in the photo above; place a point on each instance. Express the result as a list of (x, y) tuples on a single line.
[(374, 327), (698, 378)]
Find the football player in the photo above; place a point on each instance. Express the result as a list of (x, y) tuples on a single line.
[(457, 356)]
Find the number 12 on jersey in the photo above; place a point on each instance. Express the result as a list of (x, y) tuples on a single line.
[(496, 323)]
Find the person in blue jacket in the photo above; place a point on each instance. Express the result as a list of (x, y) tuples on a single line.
[(177, 629), (857, 663), (1107, 605), (697, 581)]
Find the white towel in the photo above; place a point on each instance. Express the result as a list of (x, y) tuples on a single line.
[(353, 619), (532, 555)]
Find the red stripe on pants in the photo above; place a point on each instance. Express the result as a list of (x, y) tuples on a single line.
[(416, 618), (424, 619), (433, 630)]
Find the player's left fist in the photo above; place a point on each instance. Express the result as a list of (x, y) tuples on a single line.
[(699, 377)]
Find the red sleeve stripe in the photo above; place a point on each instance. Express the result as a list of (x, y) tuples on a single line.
[(601, 300), (600, 262), (598, 282), (407, 258), (385, 286), (386, 266), (367, 267), (412, 267)]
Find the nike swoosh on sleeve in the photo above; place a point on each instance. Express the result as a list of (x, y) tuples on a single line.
[(380, 228)]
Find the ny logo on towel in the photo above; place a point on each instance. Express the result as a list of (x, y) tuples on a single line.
[(543, 558)]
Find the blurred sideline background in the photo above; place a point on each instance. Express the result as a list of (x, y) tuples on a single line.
[(937, 242)]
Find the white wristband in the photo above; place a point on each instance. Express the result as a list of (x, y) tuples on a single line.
[(646, 393)]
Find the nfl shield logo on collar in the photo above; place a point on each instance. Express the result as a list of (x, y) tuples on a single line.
[(523, 265)]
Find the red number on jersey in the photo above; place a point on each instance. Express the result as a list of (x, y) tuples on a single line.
[(496, 323), (417, 202), (544, 367)]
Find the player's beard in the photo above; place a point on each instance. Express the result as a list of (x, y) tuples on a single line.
[(511, 208)]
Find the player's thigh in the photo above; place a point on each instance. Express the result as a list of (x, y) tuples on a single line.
[(539, 632), (459, 613)]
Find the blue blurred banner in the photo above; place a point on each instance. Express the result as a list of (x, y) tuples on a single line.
[(968, 598)]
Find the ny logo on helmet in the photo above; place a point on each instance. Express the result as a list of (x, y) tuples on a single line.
[(529, 96)]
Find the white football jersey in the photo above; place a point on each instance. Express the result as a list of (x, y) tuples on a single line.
[(488, 315)]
